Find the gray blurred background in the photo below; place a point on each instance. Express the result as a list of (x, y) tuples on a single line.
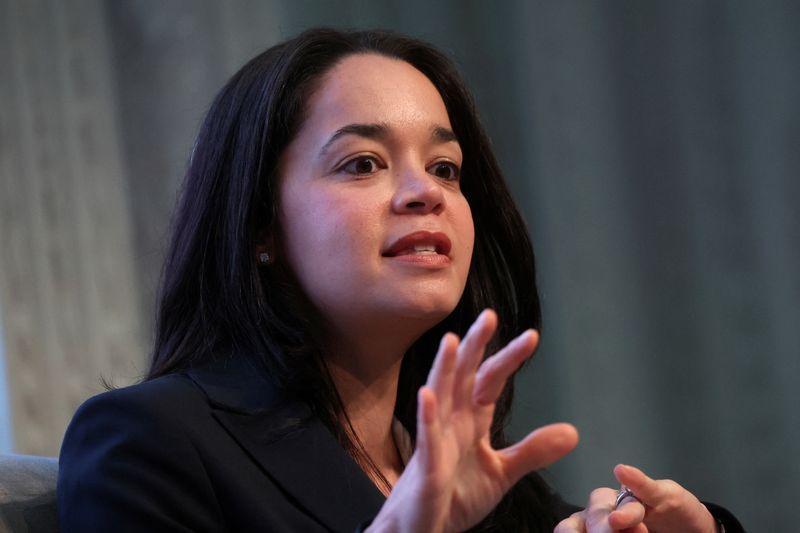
[(652, 146)]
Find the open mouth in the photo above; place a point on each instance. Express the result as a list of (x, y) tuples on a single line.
[(420, 243), (420, 249)]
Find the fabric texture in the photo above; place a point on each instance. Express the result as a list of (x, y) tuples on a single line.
[(28, 494)]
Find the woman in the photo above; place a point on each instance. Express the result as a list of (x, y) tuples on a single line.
[(342, 212)]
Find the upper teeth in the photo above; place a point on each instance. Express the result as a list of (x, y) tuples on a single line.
[(424, 248)]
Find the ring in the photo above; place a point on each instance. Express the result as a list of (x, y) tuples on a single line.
[(623, 493)]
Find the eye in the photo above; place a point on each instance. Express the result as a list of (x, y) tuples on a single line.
[(361, 166), (445, 170)]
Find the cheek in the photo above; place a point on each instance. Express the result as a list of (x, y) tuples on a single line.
[(309, 223), (327, 235), (465, 227)]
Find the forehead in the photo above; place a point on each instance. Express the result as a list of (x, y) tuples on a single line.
[(370, 88)]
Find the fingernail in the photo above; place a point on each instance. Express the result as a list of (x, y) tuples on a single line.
[(525, 335)]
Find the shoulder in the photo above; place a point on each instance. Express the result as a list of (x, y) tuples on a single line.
[(153, 415), (162, 396), (161, 412), (131, 453), (142, 407)]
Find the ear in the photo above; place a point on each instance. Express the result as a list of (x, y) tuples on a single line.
[(265, 249)]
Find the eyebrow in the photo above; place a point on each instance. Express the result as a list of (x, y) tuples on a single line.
[(380, 131), (369, 131), (443, 135)]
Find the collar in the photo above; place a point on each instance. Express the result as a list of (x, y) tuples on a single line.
[(289, 444), (236, 384)]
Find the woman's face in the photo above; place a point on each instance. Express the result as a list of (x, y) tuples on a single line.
[(375, 226)]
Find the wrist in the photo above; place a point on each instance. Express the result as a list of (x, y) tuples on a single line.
[(380, 524), (392, 520), (717, 525), (386, 521)]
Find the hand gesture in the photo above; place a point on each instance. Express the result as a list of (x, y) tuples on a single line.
[(660, 505), (455, 477)]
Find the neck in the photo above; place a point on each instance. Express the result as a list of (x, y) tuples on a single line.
[(366, 374)]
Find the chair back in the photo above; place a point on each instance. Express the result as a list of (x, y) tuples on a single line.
[(28, 494)]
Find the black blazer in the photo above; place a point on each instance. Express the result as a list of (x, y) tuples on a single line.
[(212, 449)]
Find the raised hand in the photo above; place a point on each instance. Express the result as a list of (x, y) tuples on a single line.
[(661, 505), (455, 477)]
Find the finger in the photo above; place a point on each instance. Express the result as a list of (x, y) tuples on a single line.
[(629, 514), (575, 523), (441, 376), (638, 528), (428, 429), (472, 348), (539, 449), (647, 490), (495, 371), (600, 505)]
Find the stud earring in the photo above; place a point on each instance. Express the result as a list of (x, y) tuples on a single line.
[(263, 257)]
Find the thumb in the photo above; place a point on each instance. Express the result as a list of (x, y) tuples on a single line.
[(542, 447), (647, 490)]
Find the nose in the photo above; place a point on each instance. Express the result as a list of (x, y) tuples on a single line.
[(418, 192)]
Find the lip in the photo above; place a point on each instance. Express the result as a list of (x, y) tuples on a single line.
[(401, 246)]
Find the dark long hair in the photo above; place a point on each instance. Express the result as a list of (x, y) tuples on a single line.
[(216, 300)]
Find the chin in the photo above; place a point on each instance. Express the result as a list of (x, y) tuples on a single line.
[(431, 310)]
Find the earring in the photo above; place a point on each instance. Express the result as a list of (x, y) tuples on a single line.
[(263, 257)]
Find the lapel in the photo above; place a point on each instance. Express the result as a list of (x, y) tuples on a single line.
[(289, 444)]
